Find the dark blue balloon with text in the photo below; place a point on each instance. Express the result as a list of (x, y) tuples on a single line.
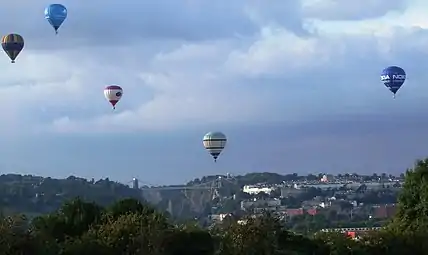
[(393, 77)]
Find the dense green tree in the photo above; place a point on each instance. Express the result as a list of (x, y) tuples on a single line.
[(412, 214), (73, 219), (340, 244), (85, 246), (132, 233), (15, 237), (257, 236), (393, 243), (129, 205), (179, 242)]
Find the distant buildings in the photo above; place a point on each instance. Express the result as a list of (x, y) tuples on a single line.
[(274, 205), (300, 211), (260, 203), (350, 185), (339, 198), (290, 191), (384, 211)]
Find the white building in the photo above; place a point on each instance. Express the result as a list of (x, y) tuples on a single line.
[(255, 189), (219, 217)]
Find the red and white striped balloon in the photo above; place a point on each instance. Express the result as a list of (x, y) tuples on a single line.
[(113, 94)]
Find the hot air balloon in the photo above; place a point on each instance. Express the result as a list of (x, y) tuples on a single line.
[(393, 78), (12, 44), (113, 94), (214, 143), (55, 15)]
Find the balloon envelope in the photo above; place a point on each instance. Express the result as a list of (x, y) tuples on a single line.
[(113, 94), (214, 143), (55, 14), (12, 44), (393, 78)]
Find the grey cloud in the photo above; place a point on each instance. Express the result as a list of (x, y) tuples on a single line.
[(108, 22), (349, 83), (334, 10), (287, 14)]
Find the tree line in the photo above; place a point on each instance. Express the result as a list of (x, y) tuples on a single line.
[(132, 227)]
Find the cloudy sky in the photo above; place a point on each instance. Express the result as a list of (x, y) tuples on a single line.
[(294, 85)]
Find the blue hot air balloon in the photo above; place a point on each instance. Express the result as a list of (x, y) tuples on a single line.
[(56, 14), (393, 78)]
